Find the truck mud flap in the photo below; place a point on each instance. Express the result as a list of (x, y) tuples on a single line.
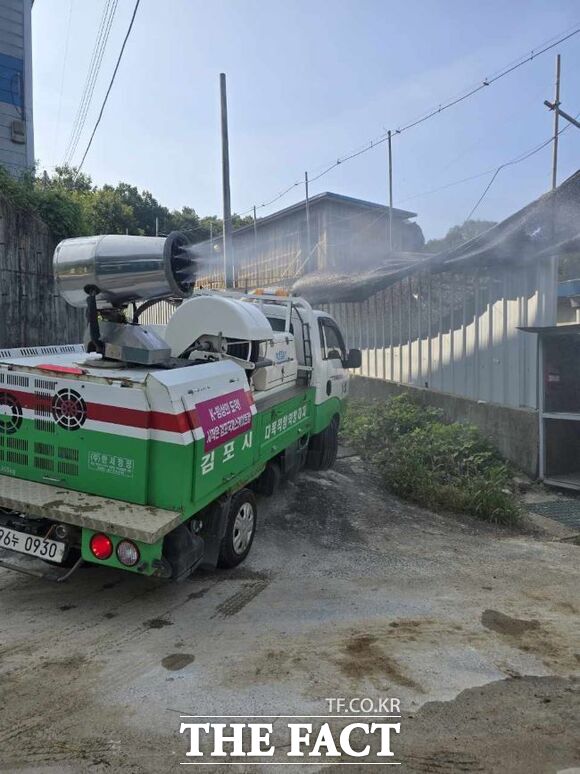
[(214, 532), (184, 551), (26, 565)]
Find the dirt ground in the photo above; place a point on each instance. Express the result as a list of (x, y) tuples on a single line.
[(348, 592)]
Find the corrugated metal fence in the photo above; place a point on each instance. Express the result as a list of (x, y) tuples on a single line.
[(456, 332)]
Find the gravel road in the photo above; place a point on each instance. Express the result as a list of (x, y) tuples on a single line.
[(348, 592)]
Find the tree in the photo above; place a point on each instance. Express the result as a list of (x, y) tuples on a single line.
[(147, 211), (186, 220), (69, 202), (198, 229), (108, 213), (457, 235), (66, 178)]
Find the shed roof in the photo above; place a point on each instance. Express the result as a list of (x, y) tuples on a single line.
[(552, 330), (548, 226), (322, 198)]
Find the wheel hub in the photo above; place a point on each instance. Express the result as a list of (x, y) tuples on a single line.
[(243, 528)]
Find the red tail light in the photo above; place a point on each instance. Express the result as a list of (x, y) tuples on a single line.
[(101, 546)]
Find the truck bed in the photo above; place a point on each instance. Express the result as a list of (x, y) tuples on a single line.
[(137, 522)]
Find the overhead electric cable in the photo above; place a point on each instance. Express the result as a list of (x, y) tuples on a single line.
[(88, 78), (110, 87), (517, 160), (432, 112), (92, 75), (64, 62)]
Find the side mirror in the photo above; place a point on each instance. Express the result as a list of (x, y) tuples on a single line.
[(354, 359)]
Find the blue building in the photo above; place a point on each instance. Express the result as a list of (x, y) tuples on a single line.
[(16, 126)]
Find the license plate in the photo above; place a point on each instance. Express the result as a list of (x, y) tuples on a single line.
[(32, 545)]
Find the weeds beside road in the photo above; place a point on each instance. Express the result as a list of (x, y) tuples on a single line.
[(435, 463)]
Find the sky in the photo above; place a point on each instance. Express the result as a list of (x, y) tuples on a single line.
[(308, 82)]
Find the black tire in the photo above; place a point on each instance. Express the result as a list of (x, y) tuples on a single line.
[(323, 447), (240, 530)]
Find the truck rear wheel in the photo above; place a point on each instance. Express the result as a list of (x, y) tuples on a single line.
[(240, 530), (323, 447)]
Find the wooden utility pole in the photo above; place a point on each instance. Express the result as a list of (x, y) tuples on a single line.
[(390, 191), (227, 207), (308, 245), (556, 122)]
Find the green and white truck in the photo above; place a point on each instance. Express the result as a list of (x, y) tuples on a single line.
[(143, 448)]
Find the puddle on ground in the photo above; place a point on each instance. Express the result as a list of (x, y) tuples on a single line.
[(505, 624), (177, 661), (157, 623)]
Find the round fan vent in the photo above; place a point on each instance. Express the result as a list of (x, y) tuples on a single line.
[(69, 409), (10, 413)]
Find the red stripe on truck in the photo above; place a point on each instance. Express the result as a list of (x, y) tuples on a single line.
[(116, 415)]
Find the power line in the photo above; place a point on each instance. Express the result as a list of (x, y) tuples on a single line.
[(446, 185), (88, 80), (91, 79), (110, 87), (64, 61), (517, 160), (431, 113)]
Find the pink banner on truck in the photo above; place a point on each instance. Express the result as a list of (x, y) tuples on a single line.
[(224, 417)]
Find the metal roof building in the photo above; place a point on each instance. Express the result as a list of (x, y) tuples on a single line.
[(342, 232)]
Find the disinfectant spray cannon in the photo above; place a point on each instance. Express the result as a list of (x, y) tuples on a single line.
[(104, 274)]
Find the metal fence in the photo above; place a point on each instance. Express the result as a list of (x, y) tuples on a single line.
[(456, 332)]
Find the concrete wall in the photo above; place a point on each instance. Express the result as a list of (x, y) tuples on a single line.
[(31, 312), (514, 431), (15, 84)]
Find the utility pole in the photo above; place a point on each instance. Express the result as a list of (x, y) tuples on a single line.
[(227, 207), (157, 226), (390, 191), (556, 122), (255, 233), (308, 246), (551, 301)]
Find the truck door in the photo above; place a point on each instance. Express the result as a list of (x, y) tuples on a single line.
[(333, 382)]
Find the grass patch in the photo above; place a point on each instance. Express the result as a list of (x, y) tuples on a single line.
[(423, 458)]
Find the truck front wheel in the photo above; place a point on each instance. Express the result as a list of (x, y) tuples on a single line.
[(240, 530), (323, 447)]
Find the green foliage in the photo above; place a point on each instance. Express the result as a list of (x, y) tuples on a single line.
[(457, 235), (62, 213), (72, 206), (434, 463)]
